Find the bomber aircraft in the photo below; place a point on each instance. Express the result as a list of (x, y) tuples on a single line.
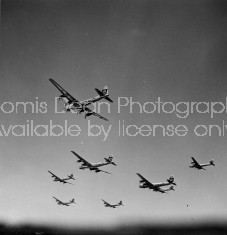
[(64, 180), (144, 183), (112, 206), (72, 104), (59, 202), (94, 166), (195, 164)]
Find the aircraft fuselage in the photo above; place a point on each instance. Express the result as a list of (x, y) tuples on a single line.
[(80, 104), (200, 165), (156, 185), (93, 100), (95, 165)]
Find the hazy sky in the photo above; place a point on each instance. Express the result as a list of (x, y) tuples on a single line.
[(175, 50)]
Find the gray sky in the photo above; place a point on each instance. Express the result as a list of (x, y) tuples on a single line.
[(141, 49)]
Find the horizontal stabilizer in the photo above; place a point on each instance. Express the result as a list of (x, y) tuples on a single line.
[(99, 92), (108, 99), (104, 93)]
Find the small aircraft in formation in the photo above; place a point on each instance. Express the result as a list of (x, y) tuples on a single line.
[(195, 164), (64, 180), (112, 206), (59, 202), (72, 104), (94, 166), (144, 183)]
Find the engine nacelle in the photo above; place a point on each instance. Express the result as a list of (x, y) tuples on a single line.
[(61, 97), (94, 169), (143, 186), (88, 114)]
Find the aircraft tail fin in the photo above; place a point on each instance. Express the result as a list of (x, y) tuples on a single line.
[(71, 177), (110, 160), (73, 201), (171, 180), (120, 203), (212, 162), (105, 90)]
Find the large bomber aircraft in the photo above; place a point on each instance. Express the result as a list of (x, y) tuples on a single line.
[(112, 206), (144, 183), (72, 104), (195, 164), (64, 180), (59, 202), (94, 166)]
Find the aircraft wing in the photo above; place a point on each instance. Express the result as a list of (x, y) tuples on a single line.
[(64, 92), (90, 112), (106, 203), (86, 163), (146, 181), (57, 200), (101, 94), (161, 190), (65, 182), (98, 170), (54, 176), (195, 162)]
